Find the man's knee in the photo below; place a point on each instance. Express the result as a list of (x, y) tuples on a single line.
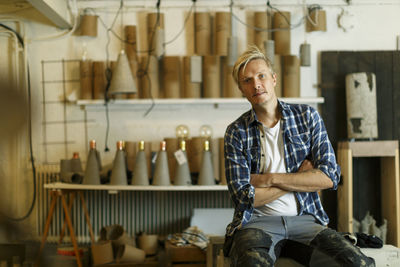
[(336, 246), (250, 247)]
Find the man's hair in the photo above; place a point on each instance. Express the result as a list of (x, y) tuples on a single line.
[(250, 54)]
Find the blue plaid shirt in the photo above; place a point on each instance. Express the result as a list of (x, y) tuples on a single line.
[(304, 136)]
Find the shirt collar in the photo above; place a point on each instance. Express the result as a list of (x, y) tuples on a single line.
[(283, 107)]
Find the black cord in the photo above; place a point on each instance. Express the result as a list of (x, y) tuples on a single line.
[(146, 68), (21, 41), (108, 74)]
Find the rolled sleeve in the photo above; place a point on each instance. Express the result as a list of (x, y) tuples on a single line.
[(322, 150), (237, 171)]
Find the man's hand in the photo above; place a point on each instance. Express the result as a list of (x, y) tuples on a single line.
[(260, 180), (306, 166)]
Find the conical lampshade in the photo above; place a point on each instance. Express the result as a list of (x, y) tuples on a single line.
[(206, 173), (122, 81), (118, 173)]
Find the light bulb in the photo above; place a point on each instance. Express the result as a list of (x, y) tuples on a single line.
[(206, 131), (182, 131)]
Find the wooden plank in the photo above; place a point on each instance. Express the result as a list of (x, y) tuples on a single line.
[(371, 148), (396, 95), (366, 61), (345, 191), (391, 197), (329, 68), (384, 94), (116, 188), (331, 112)]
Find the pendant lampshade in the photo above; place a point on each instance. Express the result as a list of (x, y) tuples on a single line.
[(122, 81)]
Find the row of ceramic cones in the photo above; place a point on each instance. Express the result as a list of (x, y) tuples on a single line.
[(70, 170)]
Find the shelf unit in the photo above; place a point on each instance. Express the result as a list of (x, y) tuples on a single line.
[(116, 188), (388, 152), (193, 101)]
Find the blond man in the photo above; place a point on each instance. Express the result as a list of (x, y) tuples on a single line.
[(277, 157)]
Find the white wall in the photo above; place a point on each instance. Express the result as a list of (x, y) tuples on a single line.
[(375, 27)]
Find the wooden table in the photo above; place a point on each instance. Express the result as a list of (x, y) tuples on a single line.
[(59, 191)]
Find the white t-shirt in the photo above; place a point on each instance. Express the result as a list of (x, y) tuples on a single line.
[(273, 161)]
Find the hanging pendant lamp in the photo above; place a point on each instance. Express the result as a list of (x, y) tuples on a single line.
[(122, 81)]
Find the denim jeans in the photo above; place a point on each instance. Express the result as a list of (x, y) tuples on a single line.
[(260, 241)]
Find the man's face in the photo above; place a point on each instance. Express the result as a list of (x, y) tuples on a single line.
[(257, 83)]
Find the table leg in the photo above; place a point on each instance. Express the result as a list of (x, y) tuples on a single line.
[(71, 201), (71, 231), (87, 216), (54, 196)]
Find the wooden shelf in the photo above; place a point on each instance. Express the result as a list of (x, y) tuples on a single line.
[(388, 152), (116, 188), (194, 101)]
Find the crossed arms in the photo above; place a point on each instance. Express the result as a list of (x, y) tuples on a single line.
[(271, 186)]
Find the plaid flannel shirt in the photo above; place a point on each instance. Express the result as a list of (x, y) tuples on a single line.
[(304, 136)]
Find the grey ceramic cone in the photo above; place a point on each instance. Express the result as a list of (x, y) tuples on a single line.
[(118, 173), (92, 174), (206, 174), (140, 174), (161, 173), (182, 173)]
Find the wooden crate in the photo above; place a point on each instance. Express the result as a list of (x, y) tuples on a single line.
[(390, 197), (184, 256)]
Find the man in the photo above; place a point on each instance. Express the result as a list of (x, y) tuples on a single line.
[(277, 156)]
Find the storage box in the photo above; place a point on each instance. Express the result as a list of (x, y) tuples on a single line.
[(188, 255)]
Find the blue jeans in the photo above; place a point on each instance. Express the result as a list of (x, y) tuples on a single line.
[(259, 243)]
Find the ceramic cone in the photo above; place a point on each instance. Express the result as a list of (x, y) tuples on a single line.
[(118, 174), (161, 173), (92, 174), (206, 174), (182, 173), (140, 174), (122, 81)]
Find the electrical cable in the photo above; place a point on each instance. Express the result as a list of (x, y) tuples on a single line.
[(32, 159), (108, 74), (146, 69)]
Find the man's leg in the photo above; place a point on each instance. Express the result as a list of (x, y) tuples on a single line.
[(250, 247), (331, 247), (342, 251)]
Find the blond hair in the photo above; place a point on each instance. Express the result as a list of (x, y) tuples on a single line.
[(250, 54)]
